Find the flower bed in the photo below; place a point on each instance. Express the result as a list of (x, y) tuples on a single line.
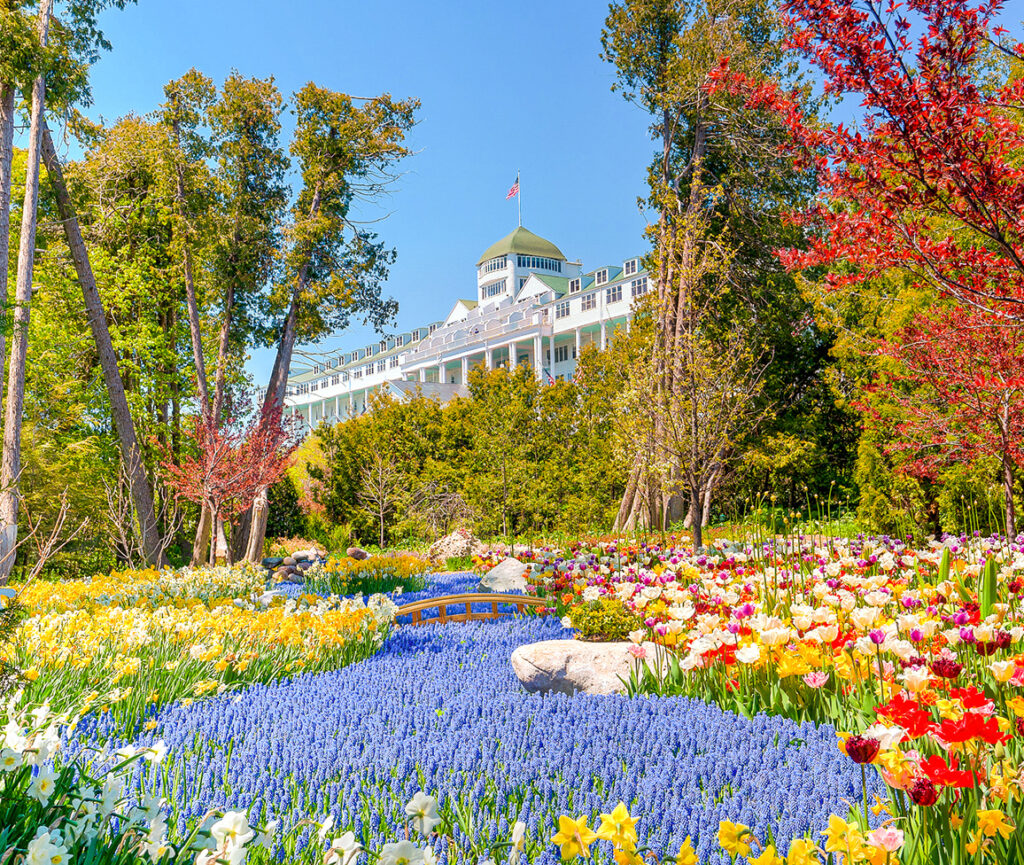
[(84, 646), (453, 720), (915, 654)]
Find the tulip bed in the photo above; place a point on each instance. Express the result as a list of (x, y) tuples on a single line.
[(915, 654)]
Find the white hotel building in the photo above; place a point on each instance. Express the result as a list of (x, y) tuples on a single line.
[(532, 306)]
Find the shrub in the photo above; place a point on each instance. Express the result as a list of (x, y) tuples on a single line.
[(604, 619)]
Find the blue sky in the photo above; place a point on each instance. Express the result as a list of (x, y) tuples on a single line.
[(503, 87)]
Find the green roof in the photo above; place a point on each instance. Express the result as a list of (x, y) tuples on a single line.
[(523, 242), (559, 284)]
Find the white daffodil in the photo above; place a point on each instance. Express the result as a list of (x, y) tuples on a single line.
[(47, 848), (10, 759), (265, 837), (41, 788), (156, 752), (402, 853), (518, 842), (325, 827), (231, 830), (423, 811), (343, 850)]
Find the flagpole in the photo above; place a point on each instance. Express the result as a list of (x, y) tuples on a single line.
[(520, 199)]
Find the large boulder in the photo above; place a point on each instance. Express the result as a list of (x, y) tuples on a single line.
[(457, 545), (571, 666), (576, 666), (508, 576), (357, 553)]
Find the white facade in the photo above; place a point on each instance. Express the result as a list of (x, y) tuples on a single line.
[(532, 307)]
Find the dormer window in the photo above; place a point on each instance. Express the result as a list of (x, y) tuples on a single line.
[(601, 277), (369, 350), (399, 341), (383, 345), (629, 268), (574, 285)]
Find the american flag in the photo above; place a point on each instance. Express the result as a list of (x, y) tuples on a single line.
[(550, 377), (514, 191), (577, 377)]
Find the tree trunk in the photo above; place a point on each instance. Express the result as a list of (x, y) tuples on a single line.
[(202, 542), (698, 520), (258, 528), (6, 161), (191, 304), (131, 455), (10, 460)]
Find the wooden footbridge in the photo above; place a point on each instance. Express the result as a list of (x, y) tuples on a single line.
[(466, 601)]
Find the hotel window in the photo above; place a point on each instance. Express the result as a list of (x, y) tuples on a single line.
[(369, 369), (561, 353), (522, 281), (381, 366), (536, 262), (574, 285), (433, 327), (601, 277), (357, 373), (562, 309), (369, 351), (316, 369), (613, 293), (399, 341), (335, 380), (393, 362), (344, 376), (341, 360), (629, 268), (638, 286), (589, 301), (383, 345), (493, 288), (494, 264)]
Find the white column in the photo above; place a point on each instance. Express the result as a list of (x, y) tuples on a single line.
[(423, 373), (551, 350), (536, 355), (489, 357), (577, 343), (512, 356), (440, 372), (465, 368), (604, 336)]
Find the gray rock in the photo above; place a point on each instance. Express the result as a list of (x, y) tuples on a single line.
[(575, 666), (357, 553), (301, 556), (288, 560), (284, 572), (508, 576), (571, 666), (272, 562)]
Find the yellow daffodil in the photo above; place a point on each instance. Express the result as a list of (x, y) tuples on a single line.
[(618, 827), (955, 821), (733, 838), (686, 854), (574, 837), (994, 822), (767, 857), (843, 837), (802, 852)]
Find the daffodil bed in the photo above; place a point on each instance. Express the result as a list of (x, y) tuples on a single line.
[(127, 643), (439, 709)]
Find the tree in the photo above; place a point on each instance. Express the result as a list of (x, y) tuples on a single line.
[(960, 381), (10, 460), (717, 187), (231, 463), (929, 182), (333, 268), (380, 491), (131, 454)]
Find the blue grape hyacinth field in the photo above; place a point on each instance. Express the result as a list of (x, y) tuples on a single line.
[(439, 709)]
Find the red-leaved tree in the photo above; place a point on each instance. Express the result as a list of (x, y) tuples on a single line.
[(929, 183), (964, 372), (232, 464), (931, 180)]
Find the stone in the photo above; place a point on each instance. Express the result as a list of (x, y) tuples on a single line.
[(288, 560), (301, 556), (283, 572), (272, 562), (303, 566), (507, 576), (457, 545), (357, 553), (572, 666)]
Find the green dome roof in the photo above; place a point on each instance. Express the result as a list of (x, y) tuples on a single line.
[(523, 242)]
